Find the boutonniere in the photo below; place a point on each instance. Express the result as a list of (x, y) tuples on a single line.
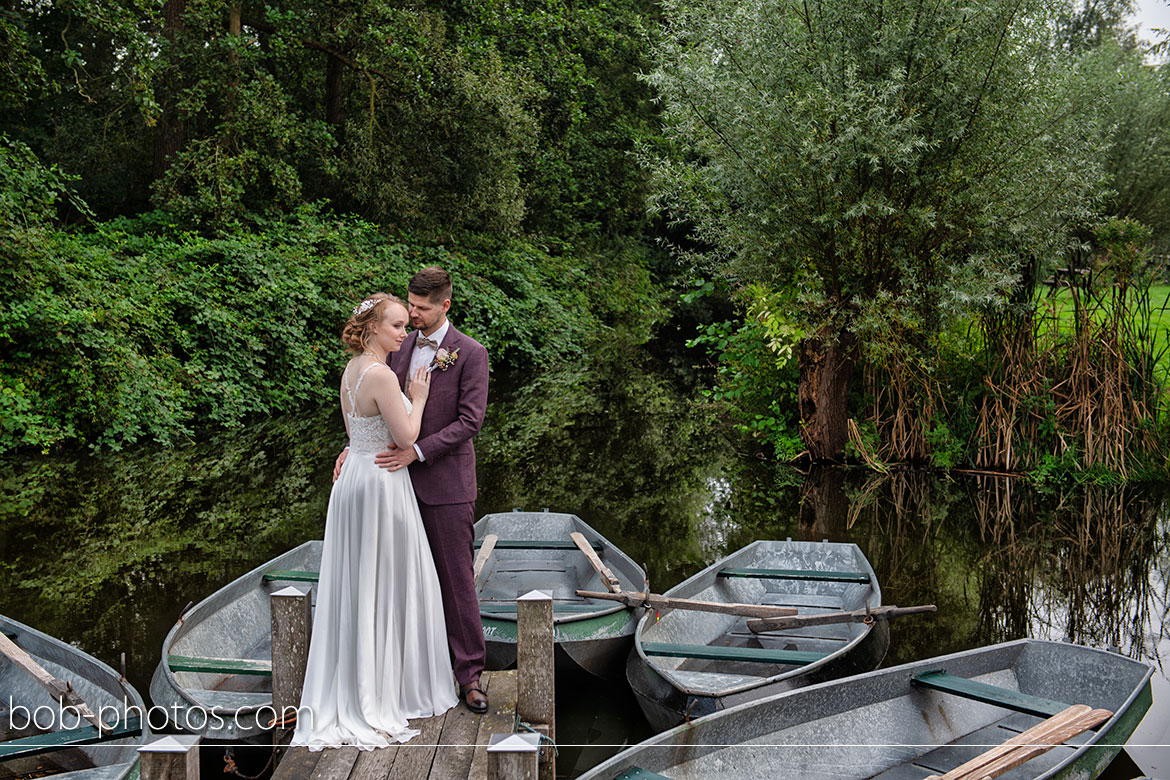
[(444, 359)]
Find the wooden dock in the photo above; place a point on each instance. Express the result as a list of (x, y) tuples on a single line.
[(452, 746)]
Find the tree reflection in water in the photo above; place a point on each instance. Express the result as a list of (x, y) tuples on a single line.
[(103, 552)]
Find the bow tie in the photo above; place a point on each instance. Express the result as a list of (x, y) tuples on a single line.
[(423, 341)]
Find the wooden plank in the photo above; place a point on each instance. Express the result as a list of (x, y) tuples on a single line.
[(61, 690), (298, 763), (795, 574), (485, 552), (989, 694), (536, 544), (607, 579), (501, 688), (414, 758), (60, 740), (186, 663), (335, 763), (291, 575), (1037, 740), (654, 601), (760, 625), (456, 743), (1026, 753), (374, 764), (714, 653)]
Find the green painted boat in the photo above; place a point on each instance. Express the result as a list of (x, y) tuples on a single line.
[(535, 552)]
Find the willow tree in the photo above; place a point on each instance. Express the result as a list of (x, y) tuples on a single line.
[(886, 165)]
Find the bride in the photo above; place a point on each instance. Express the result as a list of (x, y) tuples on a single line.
[(378, 653)]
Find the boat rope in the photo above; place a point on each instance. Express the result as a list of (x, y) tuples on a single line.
[(231, 768), (543, 737)]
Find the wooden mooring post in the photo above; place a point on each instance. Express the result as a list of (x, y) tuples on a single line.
[(514, 757), (536, 693), (173, 757), (292, 625)]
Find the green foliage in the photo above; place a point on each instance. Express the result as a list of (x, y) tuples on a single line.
[(433, 119), (946, 450), (755, 377), (1123, 242), (1137, 153), (140, 330), (889, 167)]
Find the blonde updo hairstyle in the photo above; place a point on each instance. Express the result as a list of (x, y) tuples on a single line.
[(359, 328)]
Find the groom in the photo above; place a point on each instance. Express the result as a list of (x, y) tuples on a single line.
[(442, 462)]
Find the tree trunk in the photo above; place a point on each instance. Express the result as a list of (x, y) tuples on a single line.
[(169, 131), (826, 371), (334, 104), (824, 504)]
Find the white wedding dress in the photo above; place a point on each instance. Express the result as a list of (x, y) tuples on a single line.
[(378, 653)]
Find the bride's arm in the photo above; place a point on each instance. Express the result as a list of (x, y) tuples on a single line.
[(341, 457), (403, 427)]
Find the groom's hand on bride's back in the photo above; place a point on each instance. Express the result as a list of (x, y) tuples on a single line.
[(337, 464), (396, 457)]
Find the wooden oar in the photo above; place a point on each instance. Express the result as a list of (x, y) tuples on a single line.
[(485, 551), (607, 578), (61, 690), (760, 625), (1028, 744), (636, 599)]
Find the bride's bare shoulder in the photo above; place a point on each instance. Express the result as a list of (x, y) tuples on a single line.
[(382, 374)]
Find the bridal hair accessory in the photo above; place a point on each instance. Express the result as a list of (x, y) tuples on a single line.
[(444, 359), (365, 306)]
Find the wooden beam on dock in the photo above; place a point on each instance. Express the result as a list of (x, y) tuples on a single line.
[(450, 746), (499, 719)]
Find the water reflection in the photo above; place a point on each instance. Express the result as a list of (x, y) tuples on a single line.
[(105, 552)]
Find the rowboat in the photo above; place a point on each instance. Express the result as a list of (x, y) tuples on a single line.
[(924, 719), (39, 730), (215, 676), (688, 664), (536, 551)]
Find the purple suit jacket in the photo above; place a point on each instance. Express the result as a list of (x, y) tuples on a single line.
[(454, 414)]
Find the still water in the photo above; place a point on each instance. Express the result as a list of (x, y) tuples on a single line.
[(105, 552)]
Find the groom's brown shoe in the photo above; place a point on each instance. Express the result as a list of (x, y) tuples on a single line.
[(474, 697)]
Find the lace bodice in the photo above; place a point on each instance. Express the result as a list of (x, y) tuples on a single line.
[(367, 434)]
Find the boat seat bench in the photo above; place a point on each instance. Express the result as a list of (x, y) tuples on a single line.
[(66, 738), (297, 575), (186, 663), (989, 694), (291, 575), (536, 544), (715, 653), (795, 574)]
